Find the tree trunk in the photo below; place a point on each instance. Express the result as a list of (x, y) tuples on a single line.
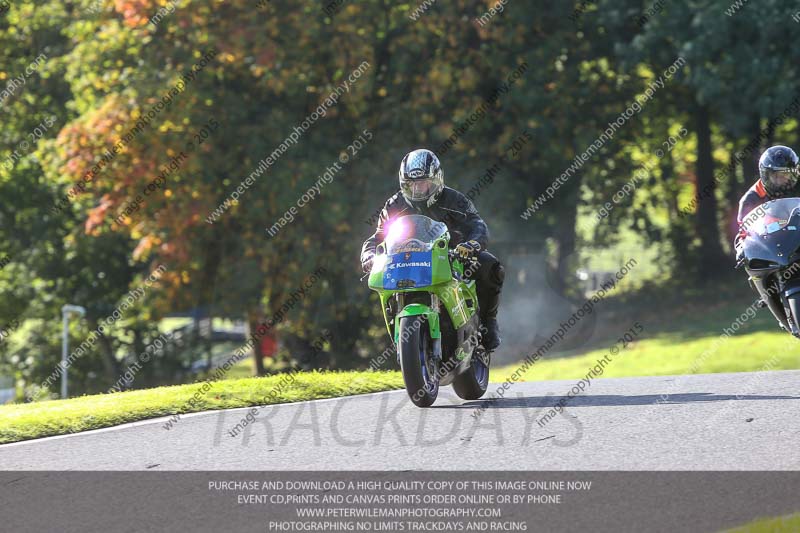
[(734, 183), (667, 169), (677, 232), (111, 366), (750, 163), (565, 235), (710, 255), (736, 188), (253, 321), (771, 134)]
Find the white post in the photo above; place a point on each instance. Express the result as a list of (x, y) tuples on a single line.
[(65, 311), (64, 351)]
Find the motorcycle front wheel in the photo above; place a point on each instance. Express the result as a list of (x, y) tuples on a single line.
[(417, 362)]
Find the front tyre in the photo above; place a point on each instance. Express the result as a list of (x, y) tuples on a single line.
[(472, 384), (416, 361)]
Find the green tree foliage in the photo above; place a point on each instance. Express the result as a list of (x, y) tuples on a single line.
[(250, 73)]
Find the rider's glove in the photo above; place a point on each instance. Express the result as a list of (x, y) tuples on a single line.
[(738, 245), (739, 257), (467, 249), (366, 265)]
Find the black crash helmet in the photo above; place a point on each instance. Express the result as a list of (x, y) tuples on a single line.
[(778, 170)]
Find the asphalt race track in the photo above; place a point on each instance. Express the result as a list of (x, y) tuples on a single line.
[(744, 421)]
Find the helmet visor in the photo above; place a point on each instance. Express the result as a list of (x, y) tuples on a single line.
[(419, 189), (781, 179)]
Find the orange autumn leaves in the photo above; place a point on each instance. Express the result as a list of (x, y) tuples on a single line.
[(135, 13), (115, 187)]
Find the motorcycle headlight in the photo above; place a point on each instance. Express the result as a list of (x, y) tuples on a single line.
[(395, 231), (379, 263)]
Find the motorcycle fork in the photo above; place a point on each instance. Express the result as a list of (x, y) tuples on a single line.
[(771, 291), (436, 344), (790, 298)]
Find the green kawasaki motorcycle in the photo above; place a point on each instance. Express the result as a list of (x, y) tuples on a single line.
[(431, 310)]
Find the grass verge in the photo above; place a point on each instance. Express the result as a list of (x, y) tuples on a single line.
[(666, 355), (781, 524), (42, 419), (693, 348)]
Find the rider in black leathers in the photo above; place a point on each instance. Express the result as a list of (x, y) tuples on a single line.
[(422, 191), (778, 178)]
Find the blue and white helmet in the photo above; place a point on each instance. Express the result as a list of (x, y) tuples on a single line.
[(421, 176)]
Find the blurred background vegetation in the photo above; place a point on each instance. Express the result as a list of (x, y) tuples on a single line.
[(276, 62)]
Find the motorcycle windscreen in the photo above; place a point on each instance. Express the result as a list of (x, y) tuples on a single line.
[(412, 233), (408, 270), (770, 217)]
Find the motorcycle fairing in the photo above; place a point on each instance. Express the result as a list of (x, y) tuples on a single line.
[(407, 270)]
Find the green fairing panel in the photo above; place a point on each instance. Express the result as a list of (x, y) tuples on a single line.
[(420, 310), (454, 296)]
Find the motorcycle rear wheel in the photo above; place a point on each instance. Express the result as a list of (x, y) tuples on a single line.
[(472, 384)]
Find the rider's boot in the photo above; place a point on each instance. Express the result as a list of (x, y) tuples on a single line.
[(491, 330), (491, 335), (490, 283)]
